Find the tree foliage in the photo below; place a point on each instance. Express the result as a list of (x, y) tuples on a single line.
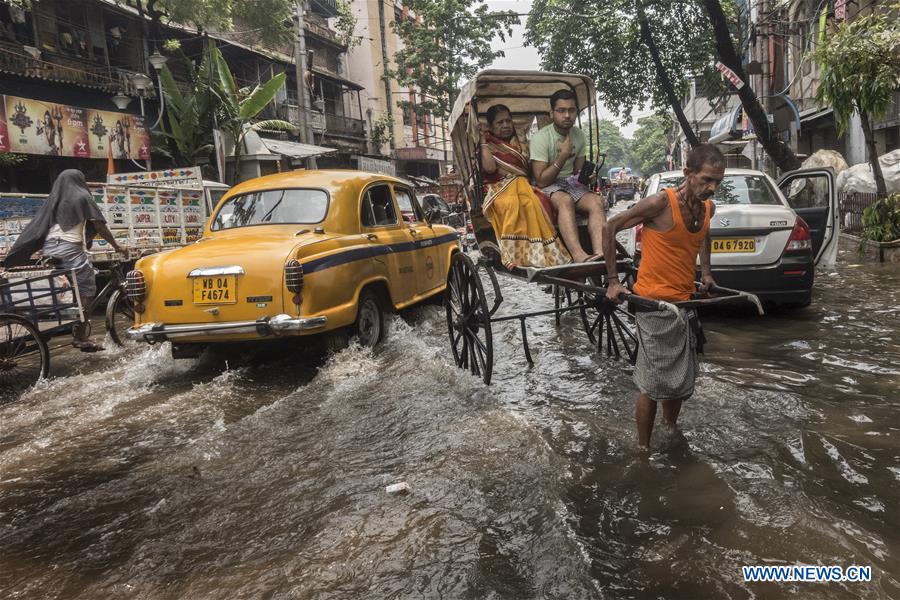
[(603, 40), (648, 146), (269, 20), (210, 98), (445, 43), (860, 70), (614, 145)]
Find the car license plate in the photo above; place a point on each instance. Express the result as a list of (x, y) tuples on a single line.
[(724, 245), (221, 289)]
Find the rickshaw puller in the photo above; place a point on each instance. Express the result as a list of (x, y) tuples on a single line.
[(675, 230)]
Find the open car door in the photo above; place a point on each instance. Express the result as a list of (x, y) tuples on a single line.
[(812, 195)]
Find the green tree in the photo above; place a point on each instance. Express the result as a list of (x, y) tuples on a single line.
[(648, 146), (186, 130), (237, 107), (270, 20), (643, 52), (860, 70), (448, 42), (638, 54), (725, 50), (614, 145)]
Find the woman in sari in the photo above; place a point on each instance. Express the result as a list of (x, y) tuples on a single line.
[(519, 214)]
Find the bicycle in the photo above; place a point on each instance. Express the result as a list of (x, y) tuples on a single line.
[(119, 309)]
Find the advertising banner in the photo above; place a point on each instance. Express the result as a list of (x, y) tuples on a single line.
[(37, 127)]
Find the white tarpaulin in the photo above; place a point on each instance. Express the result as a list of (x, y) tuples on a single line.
[(859, 178)]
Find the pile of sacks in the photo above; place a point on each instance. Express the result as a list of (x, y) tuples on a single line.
[(858, 178)]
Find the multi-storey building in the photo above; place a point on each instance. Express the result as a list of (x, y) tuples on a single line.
[(414, 145)]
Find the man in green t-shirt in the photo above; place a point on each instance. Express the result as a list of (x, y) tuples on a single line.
[(558, 152)]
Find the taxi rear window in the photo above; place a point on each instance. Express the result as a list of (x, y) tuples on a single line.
[(272, 207)]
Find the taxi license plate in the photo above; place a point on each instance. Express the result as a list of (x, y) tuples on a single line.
[(723, 245), (221, 289)]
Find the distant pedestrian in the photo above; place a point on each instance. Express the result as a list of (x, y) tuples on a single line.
[(64, 229), (675, 231)]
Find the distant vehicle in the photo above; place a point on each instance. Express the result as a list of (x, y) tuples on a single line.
[(294, 254), (446, 215), (767, 238), (621, 186)]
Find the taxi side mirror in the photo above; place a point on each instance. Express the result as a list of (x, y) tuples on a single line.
[(432, 215)]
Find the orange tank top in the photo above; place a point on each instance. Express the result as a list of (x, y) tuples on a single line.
[(669, 258)]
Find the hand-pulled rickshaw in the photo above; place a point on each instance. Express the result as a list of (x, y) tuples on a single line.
[(577, 287)]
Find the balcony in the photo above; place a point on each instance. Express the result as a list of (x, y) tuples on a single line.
[(327, 8), (64, 69), (335, 125)]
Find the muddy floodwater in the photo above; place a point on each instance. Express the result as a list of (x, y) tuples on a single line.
[(131, 475)]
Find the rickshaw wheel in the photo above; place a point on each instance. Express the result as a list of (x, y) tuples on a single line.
[(119, 316), (468, 319), (564, 297), (24, 356), (607, 322)]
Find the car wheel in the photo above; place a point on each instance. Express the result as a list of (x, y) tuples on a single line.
[(369, 320)]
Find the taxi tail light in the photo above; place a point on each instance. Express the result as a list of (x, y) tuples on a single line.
[(135, 286), (637, 237), (293, 276), (800, 239)]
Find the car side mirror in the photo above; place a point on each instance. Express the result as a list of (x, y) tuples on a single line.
[(432, 215)]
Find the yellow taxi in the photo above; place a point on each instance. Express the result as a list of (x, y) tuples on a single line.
[(294, 254)]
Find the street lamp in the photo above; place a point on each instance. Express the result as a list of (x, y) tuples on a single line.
[(157, 60), (121, 101), (140, 82)]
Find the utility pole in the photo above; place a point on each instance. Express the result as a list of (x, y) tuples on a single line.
[(306, 134)]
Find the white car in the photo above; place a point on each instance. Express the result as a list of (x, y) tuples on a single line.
[(767, 237)]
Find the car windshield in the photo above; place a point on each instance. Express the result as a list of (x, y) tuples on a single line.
[(272, 207), (736, 189)]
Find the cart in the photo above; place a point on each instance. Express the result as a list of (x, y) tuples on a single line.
[(577, 287)]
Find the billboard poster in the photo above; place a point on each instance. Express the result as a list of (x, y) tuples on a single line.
[(50, 129), (4, 133), (126, 134)]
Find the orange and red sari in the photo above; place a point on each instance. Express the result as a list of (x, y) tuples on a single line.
[(519, 213)]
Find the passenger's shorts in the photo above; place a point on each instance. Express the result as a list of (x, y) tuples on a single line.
[(667, 364), (74, 257), (575, 190)]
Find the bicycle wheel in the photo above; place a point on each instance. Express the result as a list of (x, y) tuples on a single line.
[(119, 316), (24, 356)]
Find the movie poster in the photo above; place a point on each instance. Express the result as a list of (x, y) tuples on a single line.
[(126, 134), (4, 133), (37, 127)]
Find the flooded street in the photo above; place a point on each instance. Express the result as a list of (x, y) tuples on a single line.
[(131, 475)]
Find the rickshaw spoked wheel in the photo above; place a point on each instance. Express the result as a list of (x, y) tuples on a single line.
[(606, 322), (468, 319), (24, 356), (564, 297)]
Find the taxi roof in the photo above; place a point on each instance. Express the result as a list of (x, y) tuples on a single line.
[(329, 179)]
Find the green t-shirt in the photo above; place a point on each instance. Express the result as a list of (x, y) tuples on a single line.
[(545, 148)]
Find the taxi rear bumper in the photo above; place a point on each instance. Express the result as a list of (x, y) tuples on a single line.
[(279, 324)]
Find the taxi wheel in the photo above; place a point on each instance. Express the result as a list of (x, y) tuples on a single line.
[(369, 320)]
